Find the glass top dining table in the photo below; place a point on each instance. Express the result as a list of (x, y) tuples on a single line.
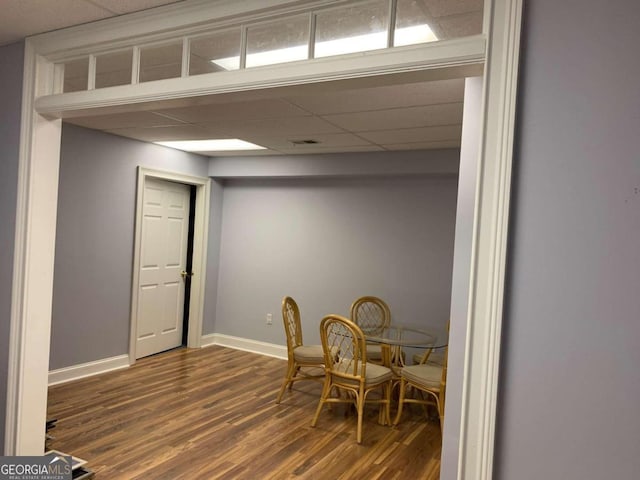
[(393, 338), (409, 336)]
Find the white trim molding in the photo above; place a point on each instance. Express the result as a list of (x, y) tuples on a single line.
[(199, 261), (89, 369), (245, 344), (489, 251), (32, 287), (448, 59)]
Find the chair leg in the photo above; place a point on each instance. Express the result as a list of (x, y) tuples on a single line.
[(435, 402), (384, 410), (440, 415), (326, 389), (291, 369), (388, 390), (425, 401), (360, 405), (439, 406), (403, 387), (293, 375)]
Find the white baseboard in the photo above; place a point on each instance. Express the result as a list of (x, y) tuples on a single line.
[(245, 344), (75, 372)]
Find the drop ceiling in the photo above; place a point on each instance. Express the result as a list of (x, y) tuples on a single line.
[(415, 116), (22, 18), (405, 116)]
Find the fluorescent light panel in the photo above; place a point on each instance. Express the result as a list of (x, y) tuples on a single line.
[(371, 41), (217, 145), (412, 35)]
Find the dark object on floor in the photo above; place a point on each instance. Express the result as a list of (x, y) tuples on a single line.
[(82, 474), (51, 423)]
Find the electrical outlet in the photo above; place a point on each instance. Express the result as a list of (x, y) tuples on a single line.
[(269, 319)]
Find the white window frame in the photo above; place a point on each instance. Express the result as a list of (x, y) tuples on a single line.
[(159, 44), (36, 211), (199, 36), (134, 63)]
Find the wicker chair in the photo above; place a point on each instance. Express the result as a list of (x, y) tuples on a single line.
[(371, 314), (304, 361), (347, 369), (428, 378), (429, 357)]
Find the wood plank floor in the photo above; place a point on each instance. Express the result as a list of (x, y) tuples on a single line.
[(211, 414)]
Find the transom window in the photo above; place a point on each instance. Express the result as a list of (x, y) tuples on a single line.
[(351, 27)]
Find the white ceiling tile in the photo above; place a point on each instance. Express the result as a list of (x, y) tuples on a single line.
[(378, 98), (268, 108), (161, 134), (275, 123), (324, 140), (316, 149), (413, 135), (251, 153), (459, 26), (127, 6), (431, 115), (275, 126), (123, 120), (21, 18), (216, 131)]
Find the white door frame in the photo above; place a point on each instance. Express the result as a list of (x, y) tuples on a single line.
[(38, 182), (200, 242)]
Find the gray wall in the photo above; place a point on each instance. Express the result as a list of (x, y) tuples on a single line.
[(11, 65), (94, 242), (570, 386), (213, 256), (417, 162), (328, 241)]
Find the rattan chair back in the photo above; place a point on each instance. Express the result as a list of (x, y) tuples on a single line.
[(371, 314)]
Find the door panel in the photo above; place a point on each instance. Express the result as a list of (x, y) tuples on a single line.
[(165, 229), (175, 251)]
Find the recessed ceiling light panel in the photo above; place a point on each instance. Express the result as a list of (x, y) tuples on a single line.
[(218, 145)]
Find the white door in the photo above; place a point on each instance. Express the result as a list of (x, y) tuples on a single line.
[(165, 228)]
